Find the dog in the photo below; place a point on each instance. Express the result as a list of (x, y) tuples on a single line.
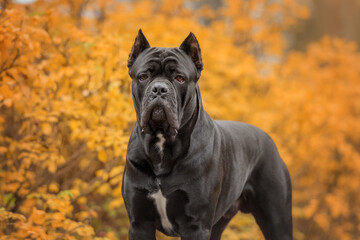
[(186, 174)]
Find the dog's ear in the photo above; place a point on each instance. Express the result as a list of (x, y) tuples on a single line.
[(191, 46), (139, 46)]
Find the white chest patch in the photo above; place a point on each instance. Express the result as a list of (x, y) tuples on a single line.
[(160, 203), (160, 144)]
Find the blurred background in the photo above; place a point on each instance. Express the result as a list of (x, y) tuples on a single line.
[(289, 67)]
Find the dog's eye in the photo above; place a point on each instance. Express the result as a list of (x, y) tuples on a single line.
[(180, 78), (143, 77)]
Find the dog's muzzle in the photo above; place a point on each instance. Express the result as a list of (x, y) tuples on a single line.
[(159, 108)]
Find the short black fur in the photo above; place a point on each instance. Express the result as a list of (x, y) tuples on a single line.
[(207, 170)]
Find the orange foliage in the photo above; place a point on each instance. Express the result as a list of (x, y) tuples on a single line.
[(66, 110)]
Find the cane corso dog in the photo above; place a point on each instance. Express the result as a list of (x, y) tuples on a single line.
[(186, 174)]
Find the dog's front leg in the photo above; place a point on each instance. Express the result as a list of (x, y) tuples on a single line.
[(198, 235), (143, 231)]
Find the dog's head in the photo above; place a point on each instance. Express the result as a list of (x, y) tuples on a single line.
[(164, 83)]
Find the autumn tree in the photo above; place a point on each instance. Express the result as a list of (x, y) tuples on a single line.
[(66, 110)]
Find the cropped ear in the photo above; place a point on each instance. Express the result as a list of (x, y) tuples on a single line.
[(139, 46), (191, 46)]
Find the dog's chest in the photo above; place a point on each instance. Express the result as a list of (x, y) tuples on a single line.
[(159, 199), (160, 204)]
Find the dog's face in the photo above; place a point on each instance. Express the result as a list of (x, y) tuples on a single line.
[(164, 82)]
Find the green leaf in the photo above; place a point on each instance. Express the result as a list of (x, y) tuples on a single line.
[(64, 193), (9, 200)]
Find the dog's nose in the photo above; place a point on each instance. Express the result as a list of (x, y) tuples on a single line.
[(159, 88)]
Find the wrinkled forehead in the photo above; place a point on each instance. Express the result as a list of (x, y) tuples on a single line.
[(163, 57)]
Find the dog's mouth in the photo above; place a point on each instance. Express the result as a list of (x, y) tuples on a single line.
[(159, 116)]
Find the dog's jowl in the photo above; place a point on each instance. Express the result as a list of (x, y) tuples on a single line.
[(187, 175)]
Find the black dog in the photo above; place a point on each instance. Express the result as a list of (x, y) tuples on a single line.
[(187, 175)]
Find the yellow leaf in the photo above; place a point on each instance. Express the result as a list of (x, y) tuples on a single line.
[(85, 231), (322, 220), (52, 167), (102, 155), (82, 200), (8, 102), (5, 91), (69, 72), (46, 128), (54, 187), (116, 171), (83, 215), (104, 189), (74, 124), (75, 192), (3, 149), (57, 40), (105, 176), (57, 220), (115, 203), (37, 216)]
